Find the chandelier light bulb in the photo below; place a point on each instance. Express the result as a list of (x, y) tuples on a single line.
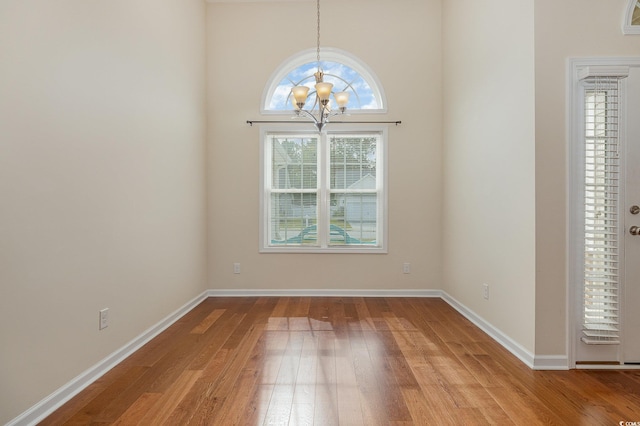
[(324, 91), (300, 94), (342, 99)]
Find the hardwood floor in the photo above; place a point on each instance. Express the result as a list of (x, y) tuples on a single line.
[(346, 361)]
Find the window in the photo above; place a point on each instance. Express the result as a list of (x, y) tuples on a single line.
[(323, 192), (346, 72), (631, 24), (601, 211)]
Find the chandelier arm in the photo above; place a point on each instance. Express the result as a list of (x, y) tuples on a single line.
[(305, 113), (341, 111)]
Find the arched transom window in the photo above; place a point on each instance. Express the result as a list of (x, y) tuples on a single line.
[(631, 24), (347, 73)]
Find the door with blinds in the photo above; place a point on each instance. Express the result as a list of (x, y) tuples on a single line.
[(631, 210), (610, 278)]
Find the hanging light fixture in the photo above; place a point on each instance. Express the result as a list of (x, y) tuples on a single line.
[(321, 109)]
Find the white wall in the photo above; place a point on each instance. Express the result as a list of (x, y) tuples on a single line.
[(102, 130), (570, 28), (400, 41), (489, 168)]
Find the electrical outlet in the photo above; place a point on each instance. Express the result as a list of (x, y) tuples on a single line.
[(104, 318), (406, 268), (236, 268), (485, 291)]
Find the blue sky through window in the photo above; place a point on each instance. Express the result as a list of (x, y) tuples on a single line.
[(343, 78)]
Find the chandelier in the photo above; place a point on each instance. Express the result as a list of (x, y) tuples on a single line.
[(320, 111), (321, 107)]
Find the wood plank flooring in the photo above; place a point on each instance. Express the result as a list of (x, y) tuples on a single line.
[(341, 361)]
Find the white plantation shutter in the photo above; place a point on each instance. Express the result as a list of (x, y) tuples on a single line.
[(601, 212)]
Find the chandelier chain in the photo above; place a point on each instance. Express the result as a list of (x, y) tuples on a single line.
[(318, 48)]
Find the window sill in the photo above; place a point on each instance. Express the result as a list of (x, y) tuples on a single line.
[(330, 250)]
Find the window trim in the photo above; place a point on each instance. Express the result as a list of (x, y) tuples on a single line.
[(381, 248)]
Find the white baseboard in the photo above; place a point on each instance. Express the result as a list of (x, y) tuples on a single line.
[(511, 345), (607, 367), (51, 403), (54, 401), (535, 362), (323, 293), (551, 362)]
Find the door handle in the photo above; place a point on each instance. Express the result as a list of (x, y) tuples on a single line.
[(634, 230)]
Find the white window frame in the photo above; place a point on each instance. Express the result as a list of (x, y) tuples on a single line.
[(323, 191)]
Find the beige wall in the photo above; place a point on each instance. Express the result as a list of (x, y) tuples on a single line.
[(400, 41), (489, 209), (102, 172), (568, 28), (101, 179)]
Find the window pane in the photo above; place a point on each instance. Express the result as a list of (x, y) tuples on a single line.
[(294, 217), (601, 214), (353, 162), (354, 196), (355, 222), (294, 163)]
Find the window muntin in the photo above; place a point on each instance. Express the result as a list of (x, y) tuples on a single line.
[(324, 192)]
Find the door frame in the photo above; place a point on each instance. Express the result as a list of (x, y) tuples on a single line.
[(575, 211)]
